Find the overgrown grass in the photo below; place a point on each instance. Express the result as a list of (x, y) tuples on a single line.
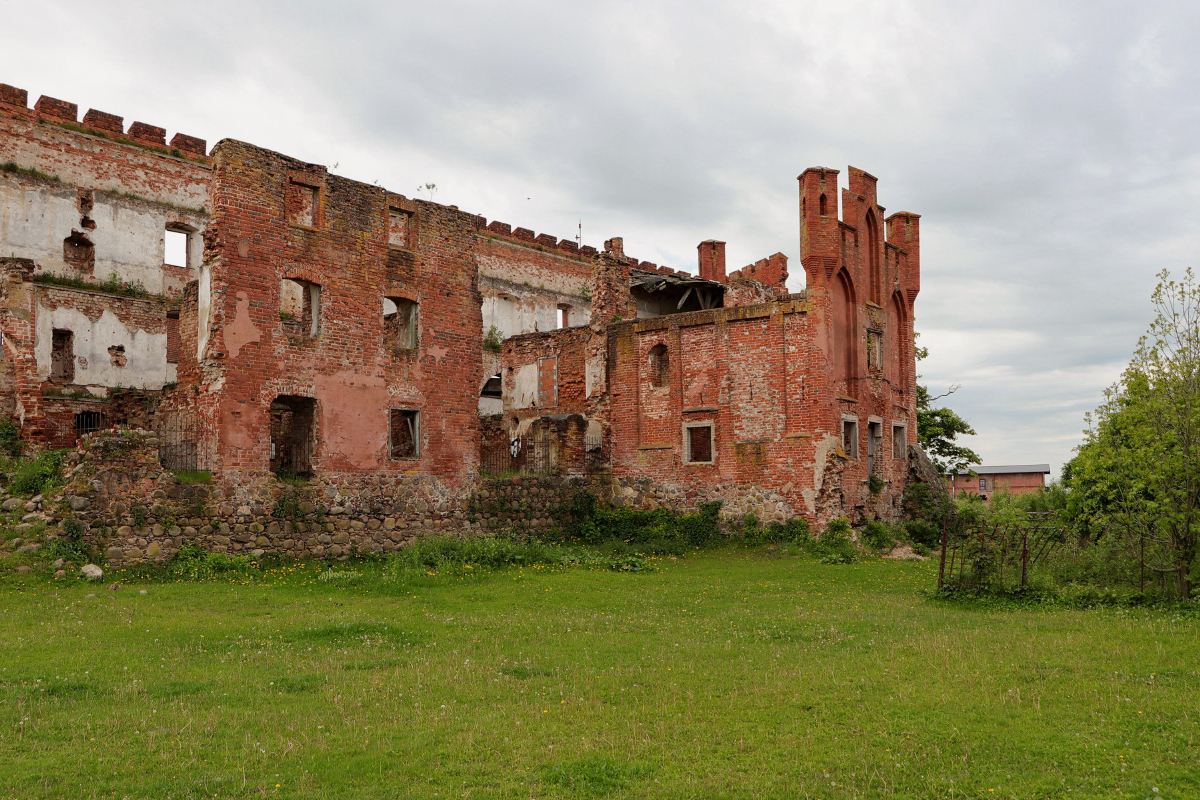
[(725, 673), (193, 475), (34, 475), (112, 285)]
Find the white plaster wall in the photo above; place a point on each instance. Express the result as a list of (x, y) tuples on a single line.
[(129, 236), (203, 309), (525, 390), (145, 353)]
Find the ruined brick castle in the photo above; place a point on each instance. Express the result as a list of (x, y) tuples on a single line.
[(262, 316)]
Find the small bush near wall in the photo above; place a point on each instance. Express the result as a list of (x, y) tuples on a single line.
[(658, 530)]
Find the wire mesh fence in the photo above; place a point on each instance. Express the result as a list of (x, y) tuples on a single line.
[(535, 453)]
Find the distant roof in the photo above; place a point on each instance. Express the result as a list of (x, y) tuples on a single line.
[(1005, 469), (655, 281)]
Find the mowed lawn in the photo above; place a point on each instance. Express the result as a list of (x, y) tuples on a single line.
[(726, 674)]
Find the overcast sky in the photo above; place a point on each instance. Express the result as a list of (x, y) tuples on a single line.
[(1050, 147)]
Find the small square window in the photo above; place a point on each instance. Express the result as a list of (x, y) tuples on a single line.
[(698, 444), (175, 248), (404, 433), (399, 228), (302, 205)]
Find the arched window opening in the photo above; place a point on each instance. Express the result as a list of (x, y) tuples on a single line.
[(845, 339), (897, 335), (874, 248), (660, 366), (822, 208)]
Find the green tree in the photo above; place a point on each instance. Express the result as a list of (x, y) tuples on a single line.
[(1137, 474), (938, 428)]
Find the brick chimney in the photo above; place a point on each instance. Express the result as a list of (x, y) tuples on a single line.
[(712, 260)]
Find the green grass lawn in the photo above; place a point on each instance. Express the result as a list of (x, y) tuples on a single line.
[(725, 674)]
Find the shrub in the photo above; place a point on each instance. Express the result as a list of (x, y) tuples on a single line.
[(833, 546), (652, 530), (35, 475), (10, 438), (878, 535)]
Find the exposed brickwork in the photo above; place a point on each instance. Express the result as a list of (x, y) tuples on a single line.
[(332, 327)]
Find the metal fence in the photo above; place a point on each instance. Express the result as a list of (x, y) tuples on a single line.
[(535, 453), (978, 554), (184, 443)]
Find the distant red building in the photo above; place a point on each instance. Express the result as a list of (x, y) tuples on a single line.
[(1011, 478)]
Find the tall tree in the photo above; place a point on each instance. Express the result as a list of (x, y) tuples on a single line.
[(938, 428), (1137, 474)]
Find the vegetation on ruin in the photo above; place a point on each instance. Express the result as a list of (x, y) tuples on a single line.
[(11, 166), (728, 673), (111, 285), (494, 340)]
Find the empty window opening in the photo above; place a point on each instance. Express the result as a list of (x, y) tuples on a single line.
[(79, 252), (116, 355), (983, 484), (400, 320), (292, 435), (88, 422), (493, 388), (822, 204), (698, 444), (564, 316), (175, 248), (875, 349), (302, 205), (660, 366), (850, 437), (899, 441), (300, 306), (173, 342), (62, 356), (399, 228), (874, 445), (404, 432)]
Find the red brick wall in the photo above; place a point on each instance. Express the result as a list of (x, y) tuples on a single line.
[(348, 369)]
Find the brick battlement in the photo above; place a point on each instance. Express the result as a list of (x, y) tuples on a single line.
[(99, 123)]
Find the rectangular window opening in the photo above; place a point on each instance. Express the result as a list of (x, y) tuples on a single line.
[(564, 316), (401, 317), (399, 228), (850, 437), (899, 441), (875, 349), (175, 248), (699, 444), (300, 307), (302, 205), (404, 433), (874, 445), (983, 484), (62, 356), (293, 422), (88, 422)]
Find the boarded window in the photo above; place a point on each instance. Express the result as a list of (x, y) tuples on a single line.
[(62, 356), (548, 382), (175, 248), (300, 307), (301, 204), (850, 437), (404, 432), (399, 228), (899, 441), (698, 444), (400, 322), (173, 342), (875, 349), (983, 484), (660, 366)]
